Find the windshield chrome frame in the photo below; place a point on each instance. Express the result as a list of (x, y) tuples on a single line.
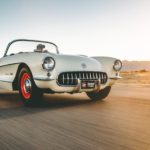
[(29, 40)]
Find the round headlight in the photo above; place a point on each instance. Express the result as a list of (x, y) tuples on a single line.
[(117, 65), (48, 63)]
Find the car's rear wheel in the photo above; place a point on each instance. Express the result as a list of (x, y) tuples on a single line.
[(29, 93), (99, 95)]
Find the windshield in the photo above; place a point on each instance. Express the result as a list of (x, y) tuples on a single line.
[(23, 45)]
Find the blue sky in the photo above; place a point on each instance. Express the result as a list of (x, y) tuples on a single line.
[(117, 28)]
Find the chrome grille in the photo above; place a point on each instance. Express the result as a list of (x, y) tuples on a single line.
[(70, 78)]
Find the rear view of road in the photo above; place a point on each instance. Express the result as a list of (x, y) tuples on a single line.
[(73, 122)]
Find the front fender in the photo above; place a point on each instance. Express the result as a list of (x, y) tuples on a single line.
[(107, 66)]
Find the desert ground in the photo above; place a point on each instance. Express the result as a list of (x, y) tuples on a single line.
[(73, 122), (141, 77)]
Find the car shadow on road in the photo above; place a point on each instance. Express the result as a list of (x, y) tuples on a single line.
[(11, 106)]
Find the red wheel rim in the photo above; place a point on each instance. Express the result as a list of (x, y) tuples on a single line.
[(26, 86)]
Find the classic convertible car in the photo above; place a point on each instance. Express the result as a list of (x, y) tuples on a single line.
[(33, 68)]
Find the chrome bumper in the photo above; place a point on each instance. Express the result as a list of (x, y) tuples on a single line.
[(50, 83), (47, 83), (115, 78)]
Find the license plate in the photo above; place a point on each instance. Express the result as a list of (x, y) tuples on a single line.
[(87, 84)]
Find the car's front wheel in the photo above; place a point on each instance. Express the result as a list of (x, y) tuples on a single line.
[(100, 94), (29, 93)]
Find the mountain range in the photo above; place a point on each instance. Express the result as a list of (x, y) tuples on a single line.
[(135, 65)]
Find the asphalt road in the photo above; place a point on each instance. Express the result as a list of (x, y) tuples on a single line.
[(73, 122)]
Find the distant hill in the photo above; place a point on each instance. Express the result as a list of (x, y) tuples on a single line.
[(135, 65)]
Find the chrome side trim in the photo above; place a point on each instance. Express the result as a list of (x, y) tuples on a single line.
[(11, 64), (43, 79), (6, 81)]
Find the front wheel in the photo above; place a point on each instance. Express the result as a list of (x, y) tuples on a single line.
[(29, 93), (99, 95)]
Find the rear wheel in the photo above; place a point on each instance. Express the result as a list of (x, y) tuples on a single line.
[(99, 95), (29, 93)]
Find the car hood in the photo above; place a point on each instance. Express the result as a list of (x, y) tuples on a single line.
[(76, 63)]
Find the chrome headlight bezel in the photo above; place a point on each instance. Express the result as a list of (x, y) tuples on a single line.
[(117, 65), (48, 63)]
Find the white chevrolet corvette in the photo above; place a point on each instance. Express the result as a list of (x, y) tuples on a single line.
[(34, 68)]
